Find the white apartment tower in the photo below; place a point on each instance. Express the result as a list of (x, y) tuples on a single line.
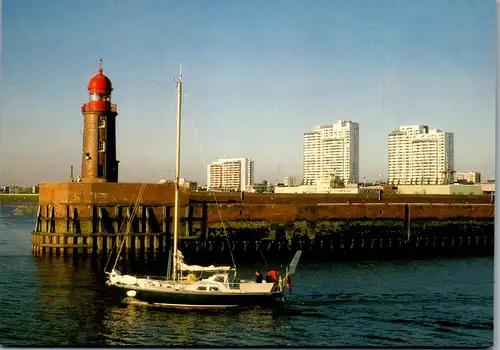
[(332, 150), (230, 174), (418, 155)]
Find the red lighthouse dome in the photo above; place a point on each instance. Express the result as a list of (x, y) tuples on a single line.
[(100, 84)]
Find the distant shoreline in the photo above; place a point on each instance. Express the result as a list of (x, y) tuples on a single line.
[(18, 198)]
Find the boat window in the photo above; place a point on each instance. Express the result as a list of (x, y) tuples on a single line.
[(215, 289), (201, 288)]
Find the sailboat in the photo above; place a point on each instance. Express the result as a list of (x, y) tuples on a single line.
[(195, 286)]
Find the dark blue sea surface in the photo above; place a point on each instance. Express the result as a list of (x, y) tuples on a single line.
[(440, 302)]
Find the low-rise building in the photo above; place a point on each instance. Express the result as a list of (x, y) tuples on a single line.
[(321, 186), (190, 186), (473, 177), (456, 189), (289, 181)]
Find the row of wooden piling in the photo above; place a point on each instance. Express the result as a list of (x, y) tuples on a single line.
[(144, 246), (101, 232), (141, 244), (141, 221)]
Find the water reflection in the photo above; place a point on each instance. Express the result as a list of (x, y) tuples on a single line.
[(136, 325), (70, 307)]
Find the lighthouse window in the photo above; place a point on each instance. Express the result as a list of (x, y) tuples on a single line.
[(102, 146), (102, 122), (94, 97), (100, 170)]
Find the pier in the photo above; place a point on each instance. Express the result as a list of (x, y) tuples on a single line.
[(90, 219)]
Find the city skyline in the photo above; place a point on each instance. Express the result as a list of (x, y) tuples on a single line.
[(256, 76)]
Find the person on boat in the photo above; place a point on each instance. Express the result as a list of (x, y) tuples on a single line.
[(272, 276), (258, 277)]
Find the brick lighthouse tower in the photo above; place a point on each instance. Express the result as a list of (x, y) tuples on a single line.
[(99, 162)]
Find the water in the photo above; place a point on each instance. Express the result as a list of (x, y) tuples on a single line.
[(443, 303)]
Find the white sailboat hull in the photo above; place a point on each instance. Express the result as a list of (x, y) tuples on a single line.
[(204, 294)]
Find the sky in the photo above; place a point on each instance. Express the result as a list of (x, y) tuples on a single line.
[(257, 75)]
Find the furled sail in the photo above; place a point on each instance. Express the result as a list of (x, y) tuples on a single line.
[(198, 268)]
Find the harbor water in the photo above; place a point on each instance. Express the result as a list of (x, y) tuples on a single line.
[(53, 301)]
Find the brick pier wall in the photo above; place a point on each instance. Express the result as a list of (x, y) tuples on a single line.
[(88, 217)]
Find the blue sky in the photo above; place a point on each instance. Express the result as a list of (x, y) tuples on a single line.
[(257, 75)]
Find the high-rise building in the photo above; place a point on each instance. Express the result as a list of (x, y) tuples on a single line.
[(332, 151), (230, 174), (418, 155)]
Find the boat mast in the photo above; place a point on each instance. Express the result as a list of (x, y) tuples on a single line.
[(177, 174)]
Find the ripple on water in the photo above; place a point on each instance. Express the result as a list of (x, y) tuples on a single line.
[(441, 303)]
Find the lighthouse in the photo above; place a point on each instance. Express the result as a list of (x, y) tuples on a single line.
[(99, 162)]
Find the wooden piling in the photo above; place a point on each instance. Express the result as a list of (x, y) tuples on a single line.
[(407, 222), (273, 228), (38, 218), (189, 220), (118, 218), (289, 229), (156, 244), (68, 218), (128, 244), (99, 220), (204, 222)]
